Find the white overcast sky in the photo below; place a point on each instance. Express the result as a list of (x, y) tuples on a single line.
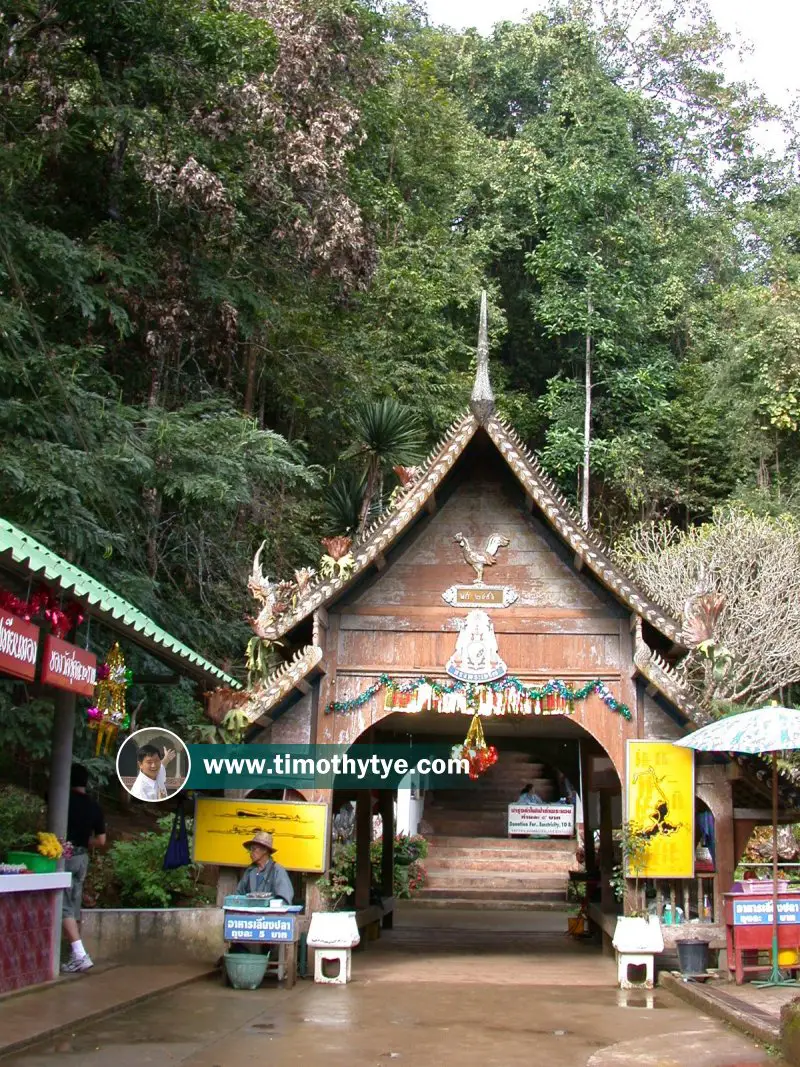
[(771, 26)]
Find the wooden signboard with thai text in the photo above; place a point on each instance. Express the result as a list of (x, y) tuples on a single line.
[(19, 642), (66, 666)]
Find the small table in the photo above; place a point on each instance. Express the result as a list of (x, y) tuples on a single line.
[(250, 921), (748, 923)]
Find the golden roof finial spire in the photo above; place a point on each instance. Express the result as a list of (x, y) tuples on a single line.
[(482, 399)]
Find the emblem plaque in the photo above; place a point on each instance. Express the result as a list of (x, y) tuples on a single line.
[(476, 657)]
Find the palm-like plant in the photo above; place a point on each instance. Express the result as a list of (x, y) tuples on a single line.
[(341, 503), (386, 434)]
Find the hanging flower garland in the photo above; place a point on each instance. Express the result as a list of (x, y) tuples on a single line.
[(478, 754), (507, 696), (109, 715), (44, 604)]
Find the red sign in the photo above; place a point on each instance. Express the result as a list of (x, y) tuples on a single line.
[(19, 641), (66, 666)]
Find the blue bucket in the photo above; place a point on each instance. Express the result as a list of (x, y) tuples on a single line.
[(245, 970)]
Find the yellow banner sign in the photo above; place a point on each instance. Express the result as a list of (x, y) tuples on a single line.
[(299, 832), (660, 807)]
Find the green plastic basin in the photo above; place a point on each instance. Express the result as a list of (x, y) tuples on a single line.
[(245, 970), (34, 862)]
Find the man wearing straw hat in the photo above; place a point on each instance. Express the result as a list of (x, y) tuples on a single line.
[(264, 875)]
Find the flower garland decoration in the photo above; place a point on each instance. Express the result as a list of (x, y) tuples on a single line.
[(475, 751), (507, 696), (43, 604), (108, 715)]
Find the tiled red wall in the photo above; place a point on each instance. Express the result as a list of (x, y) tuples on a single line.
[(26, 921)]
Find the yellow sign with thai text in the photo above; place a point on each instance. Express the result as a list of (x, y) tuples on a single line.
[(300, 832), (660, 810)]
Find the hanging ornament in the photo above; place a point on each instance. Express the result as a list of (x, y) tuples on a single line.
[(478, 754), (46, 605), (108, 715)]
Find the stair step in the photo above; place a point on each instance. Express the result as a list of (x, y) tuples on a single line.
[(469, 828), (503, 843), (487, 904), (517, 896), (494, 861), (524, 881)]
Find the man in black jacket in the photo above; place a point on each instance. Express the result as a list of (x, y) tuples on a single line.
[(86, 828)]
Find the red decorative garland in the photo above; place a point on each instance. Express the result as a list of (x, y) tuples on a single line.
[(44, 604)]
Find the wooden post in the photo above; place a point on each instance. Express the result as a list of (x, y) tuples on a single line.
[(607, 901), (588, 832), (386, 801), (227, 880), (363, 842), (60, 762)]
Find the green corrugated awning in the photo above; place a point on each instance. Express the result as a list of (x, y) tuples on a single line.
[(101, 603)]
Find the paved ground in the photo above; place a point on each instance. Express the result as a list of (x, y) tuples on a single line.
[(72, 999), (751, 1010), (425, 994)]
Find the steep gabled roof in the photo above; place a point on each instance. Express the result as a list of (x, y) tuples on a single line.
[(281, 682), (587, 545), (385, 531), (664, 677), (590, 548)]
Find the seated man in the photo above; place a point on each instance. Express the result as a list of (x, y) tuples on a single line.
[(265, 876), (151, 783)]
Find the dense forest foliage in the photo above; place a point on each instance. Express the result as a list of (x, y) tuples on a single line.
[(226, 225)]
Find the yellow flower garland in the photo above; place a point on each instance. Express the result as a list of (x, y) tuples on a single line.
[(49, 846)]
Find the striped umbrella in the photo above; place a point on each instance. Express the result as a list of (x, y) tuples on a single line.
[(771, 729)]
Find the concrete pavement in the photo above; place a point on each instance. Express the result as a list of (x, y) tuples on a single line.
[(478, 992)]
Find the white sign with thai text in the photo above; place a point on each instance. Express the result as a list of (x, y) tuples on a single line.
[(556, 820)]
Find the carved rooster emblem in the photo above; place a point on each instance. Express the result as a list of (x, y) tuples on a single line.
[(479, 560)]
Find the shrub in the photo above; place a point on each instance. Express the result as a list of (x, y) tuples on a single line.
[(338, 886), (139, 880), (22, 816)]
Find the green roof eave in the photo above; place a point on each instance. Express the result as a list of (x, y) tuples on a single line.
[(103, 604)]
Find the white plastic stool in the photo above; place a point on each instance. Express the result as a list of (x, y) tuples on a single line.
[(330, 955), (635, 959), (637, 941)]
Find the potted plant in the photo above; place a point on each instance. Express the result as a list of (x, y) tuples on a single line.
[(50, 849), (331, 927), (636, 931), (578, 911)]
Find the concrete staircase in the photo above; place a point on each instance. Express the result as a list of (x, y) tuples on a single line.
[(471, 862)]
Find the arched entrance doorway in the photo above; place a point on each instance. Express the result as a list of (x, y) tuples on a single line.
[(475, 872)]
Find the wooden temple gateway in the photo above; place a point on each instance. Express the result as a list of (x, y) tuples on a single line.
[(559, 609)]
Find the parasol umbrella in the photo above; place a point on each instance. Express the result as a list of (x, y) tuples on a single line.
[(771, 729)]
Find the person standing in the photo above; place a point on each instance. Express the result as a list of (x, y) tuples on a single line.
[(86, 828)]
